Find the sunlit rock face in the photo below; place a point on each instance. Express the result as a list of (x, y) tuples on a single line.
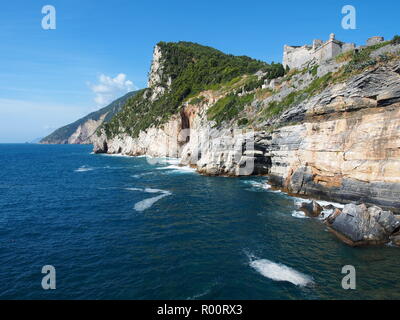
[(348, 146), (341, 144)]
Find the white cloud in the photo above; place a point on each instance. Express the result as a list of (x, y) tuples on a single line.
[(109, 89)]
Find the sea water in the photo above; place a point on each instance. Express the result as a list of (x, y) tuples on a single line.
[(119, 227)]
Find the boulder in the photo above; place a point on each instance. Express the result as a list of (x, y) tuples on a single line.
[(311, 209), (388, 222), (359, 225)]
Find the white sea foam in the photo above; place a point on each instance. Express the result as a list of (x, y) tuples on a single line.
[(258, 185), (84, 169), (177, 169), (151, 190), (148, 190), (298, 201), (114, 168), (299, 214), (87, 168), (147, 203), (326, 203), (280, 272), (325, 214), (115, 155), (170, 167), (141, 175), (175, 161), (133, 189), (199, 295)]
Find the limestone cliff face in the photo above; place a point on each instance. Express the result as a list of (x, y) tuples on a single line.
[(157, 74), (155, 142), (348, 146), (342, 143)]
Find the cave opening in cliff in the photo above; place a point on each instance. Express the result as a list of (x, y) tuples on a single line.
[(185, 124)]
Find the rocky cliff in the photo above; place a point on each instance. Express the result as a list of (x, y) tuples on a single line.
[(82, 130), (329, 131)]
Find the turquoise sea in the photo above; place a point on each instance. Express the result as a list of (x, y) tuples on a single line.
[(140, 228)]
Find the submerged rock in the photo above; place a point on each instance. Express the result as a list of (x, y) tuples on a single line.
[(358, 225)]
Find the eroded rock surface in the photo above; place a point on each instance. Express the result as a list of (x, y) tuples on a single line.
[(359, 225)]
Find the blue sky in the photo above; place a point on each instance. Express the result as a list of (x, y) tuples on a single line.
[(49, 78)]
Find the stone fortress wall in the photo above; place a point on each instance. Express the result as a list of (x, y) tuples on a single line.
[(296, 57)]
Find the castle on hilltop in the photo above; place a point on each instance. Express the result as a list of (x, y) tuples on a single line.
[(295, 57)]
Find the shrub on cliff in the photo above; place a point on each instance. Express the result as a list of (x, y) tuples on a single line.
[(243, 122), (229, 107), (276, 70), (253, 83)]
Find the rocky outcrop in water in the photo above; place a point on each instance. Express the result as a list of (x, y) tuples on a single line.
[(361, 225), (311, 209), (356, 225)]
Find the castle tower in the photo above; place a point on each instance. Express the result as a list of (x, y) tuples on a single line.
[(296, 57), (375, 40)]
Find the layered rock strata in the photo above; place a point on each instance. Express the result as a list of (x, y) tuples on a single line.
[(341, 144)]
